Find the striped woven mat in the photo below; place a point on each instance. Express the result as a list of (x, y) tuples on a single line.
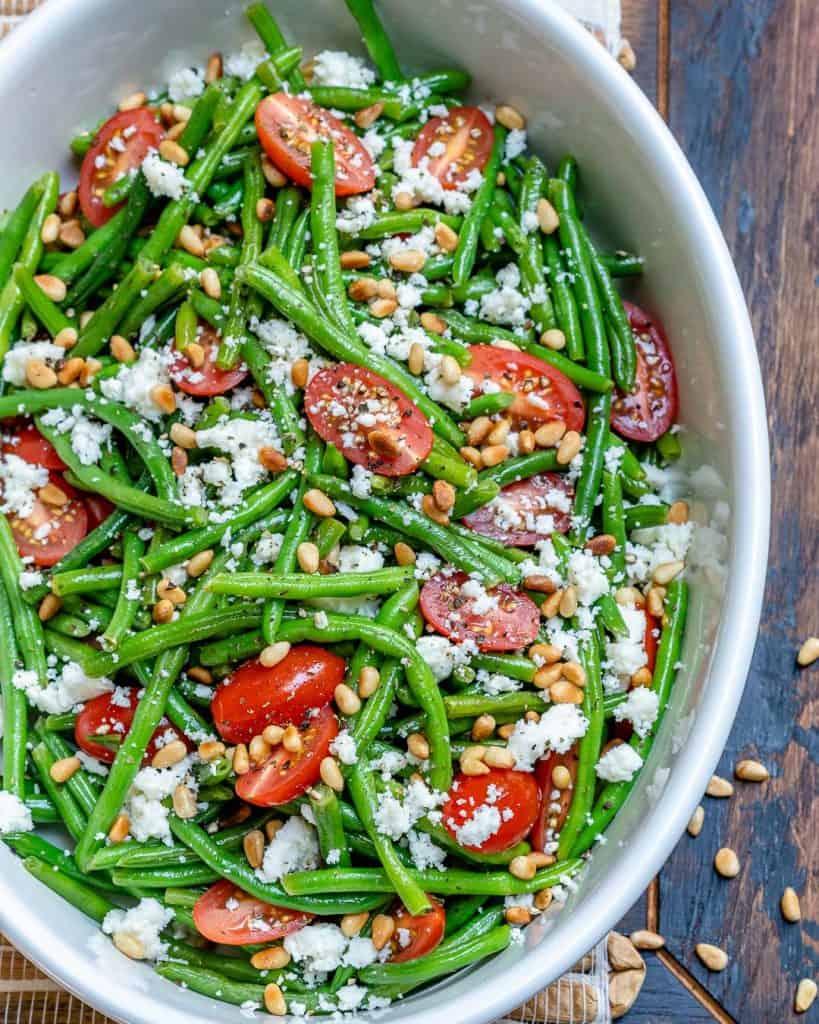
[(27, 996)]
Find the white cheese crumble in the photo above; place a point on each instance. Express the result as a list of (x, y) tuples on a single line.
[(185, 84), (344, 747), (144, 805), (284, 344), (425, 854), (20, 482), (557, 730), (133, 384), (334, 67), (394, 817), (588, 576), (144, 922), (441, 656), (619, 764), (62, 692), (14, 815), (14, 364), (640, 708), (163, 177), (626, 655), (293, 848)]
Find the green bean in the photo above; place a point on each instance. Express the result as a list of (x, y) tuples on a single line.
[(467, 249), (28, 255), (270, 34), (528, 250), (591, 474), (198, 124), (622, 264), (70, 265), (479, 331), (376, 39), (614, 523), (232, 648), (566, 312), (669, 446), (407, 222), (621, 340), (639, 516), (613, 795), (15, 711), (82, 896), (581, 375), (481, 493), (342, 347), (47, 312), (67, 807), (516, 666), (79, 785), (87, 581), (488, 405), (329, 826), (288, 202), (328, 534), (521, 468), (170, 284), (324, 235), (296, 586), (567, 170), (351, 99), (297, 240), (27, 626), (610, 616), (14, 231)]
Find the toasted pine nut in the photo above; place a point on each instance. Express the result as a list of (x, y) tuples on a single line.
[(318, 503), (120, 829), (52, 286), (299, 372), (415, 359), (50, 231), (200, 674), (71, 234), (265, 209), (66, 338), (494, 454), (666, 572), (809, 651), (307, 555), (654, 601), (482, 727), (719, 787), (404, 201), (188, 240), (384, 442), (163, 397), (163, 611), (714, 958), (551, 605), (272, 460), (546, 677), (642, 677), (211, 285), (561, 777), (385, 289), (678, 513), (569, 447), (726, 862), (517, 916), (444, 495), (183, 436), (418, 746), (479, 429), (526, 442), (505, 343), (369, 115), (53, 496), (446, 237), (433, 323), (132, 101), (543, 899), (176, 595), (695, 821), (789, 904), (184, 802), (174, 153), (499, 757), (354, 259), (564, 692), (383, 930), (751, 771), (547, 654), (472, 456), (129, 944), (644, 939), (408, 261), (626, 57), (450, 370), (274, 1001), (195, 355), (805, 995), (274, 958), (383, 307), (540, 584), (331, 774), (430, 508), (363, 289), (351, 924), (602, 544), (629, 595), (179, 460), (210, 750), (368, 680), (172, 753), (499, 432), (347, 700), (49, 606), (510, 117), (522, 868), (273, 734), (291, 740), (505, 731), (67, 203), (575, 673), (241, 759), (568, 602), (273, 176), (253, 846), (62, 770), (121, 349), (274, 653), (550, 434), (547, 218), (200, 563), (404, 554)]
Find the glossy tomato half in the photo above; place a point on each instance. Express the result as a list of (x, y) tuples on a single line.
[(121, 144), (208, 379), (501, 619), (418, 934), (98, 510), (455, 145), (652, 639), (289, 125), (112, 715), (284, 776), (500, 807), (543, 394), (650, 408), (554, 809), (354, 407), (51, 531), (254, 696), (229, 916), (526, 512), (30, 445)]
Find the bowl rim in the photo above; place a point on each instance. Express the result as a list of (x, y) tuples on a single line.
[(742, 603)]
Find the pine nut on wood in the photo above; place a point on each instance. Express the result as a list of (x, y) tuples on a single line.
[(726, 863), (751, 771), (644, 939), (789, 904), (805, 995), (623, 955), (696, 820), (809, 651), (714, 958), (719, 787)]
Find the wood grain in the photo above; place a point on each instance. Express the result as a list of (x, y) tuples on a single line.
[(742, 100)]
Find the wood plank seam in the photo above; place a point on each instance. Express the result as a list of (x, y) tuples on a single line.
[(663, 55), (697, 990)]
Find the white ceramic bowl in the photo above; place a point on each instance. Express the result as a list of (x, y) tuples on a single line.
[(73, 59)]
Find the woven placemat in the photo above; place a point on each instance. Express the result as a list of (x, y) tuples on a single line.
[(27, 996)]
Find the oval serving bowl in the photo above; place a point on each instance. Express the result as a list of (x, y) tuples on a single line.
[(73, 59)]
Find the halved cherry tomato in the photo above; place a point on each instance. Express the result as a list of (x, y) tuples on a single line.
[(416, 935), (254, 696), (466, 137), (103, 717), (30, 445), (542, 832), (511, 622), (121, 144), (287, 127), (98, 510), (208, 379), (229, 916), (284, 776), (650, 408), (513, 795), (653, 626), (544, 394), (348, 404), (512, 517), (51, 531)]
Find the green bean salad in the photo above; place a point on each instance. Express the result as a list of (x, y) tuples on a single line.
[(343, 584)]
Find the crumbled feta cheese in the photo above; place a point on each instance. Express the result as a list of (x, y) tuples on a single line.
[(394, 817), (619, 764), (557, 730), (506, 304), (640, 708), (240, 439), (163, 177), (284, 344), (244, 62), (425, 854), (144, 804), (475, 828), (441, 656), (16, 359), (144, 922), (626, 655), (293, 848), (20, 481), (361, 482), (334, 67), (185, 84), (319, 947), (29, 579), (134, 383), (344, 747), (588, 576), (14, 815), (62, 692)]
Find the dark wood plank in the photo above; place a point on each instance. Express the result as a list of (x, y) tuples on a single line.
[(742, 91), (639, 26), (663, 1000)]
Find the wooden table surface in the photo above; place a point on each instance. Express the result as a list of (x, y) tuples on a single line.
[(737, 82)]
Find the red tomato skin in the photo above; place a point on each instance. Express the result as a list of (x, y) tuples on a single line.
[(522, 495), (640, 416), (102, 711), (515, 791), (94, 180), (511, 370), (30, 445), (543, 777), (507, 628), (98, 510), (465, 151), (288, 125), (232, 927), (653, 626), (208, 380), (70, 525), (285, 776), (426, 932), (348, 385), (254, 696)]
